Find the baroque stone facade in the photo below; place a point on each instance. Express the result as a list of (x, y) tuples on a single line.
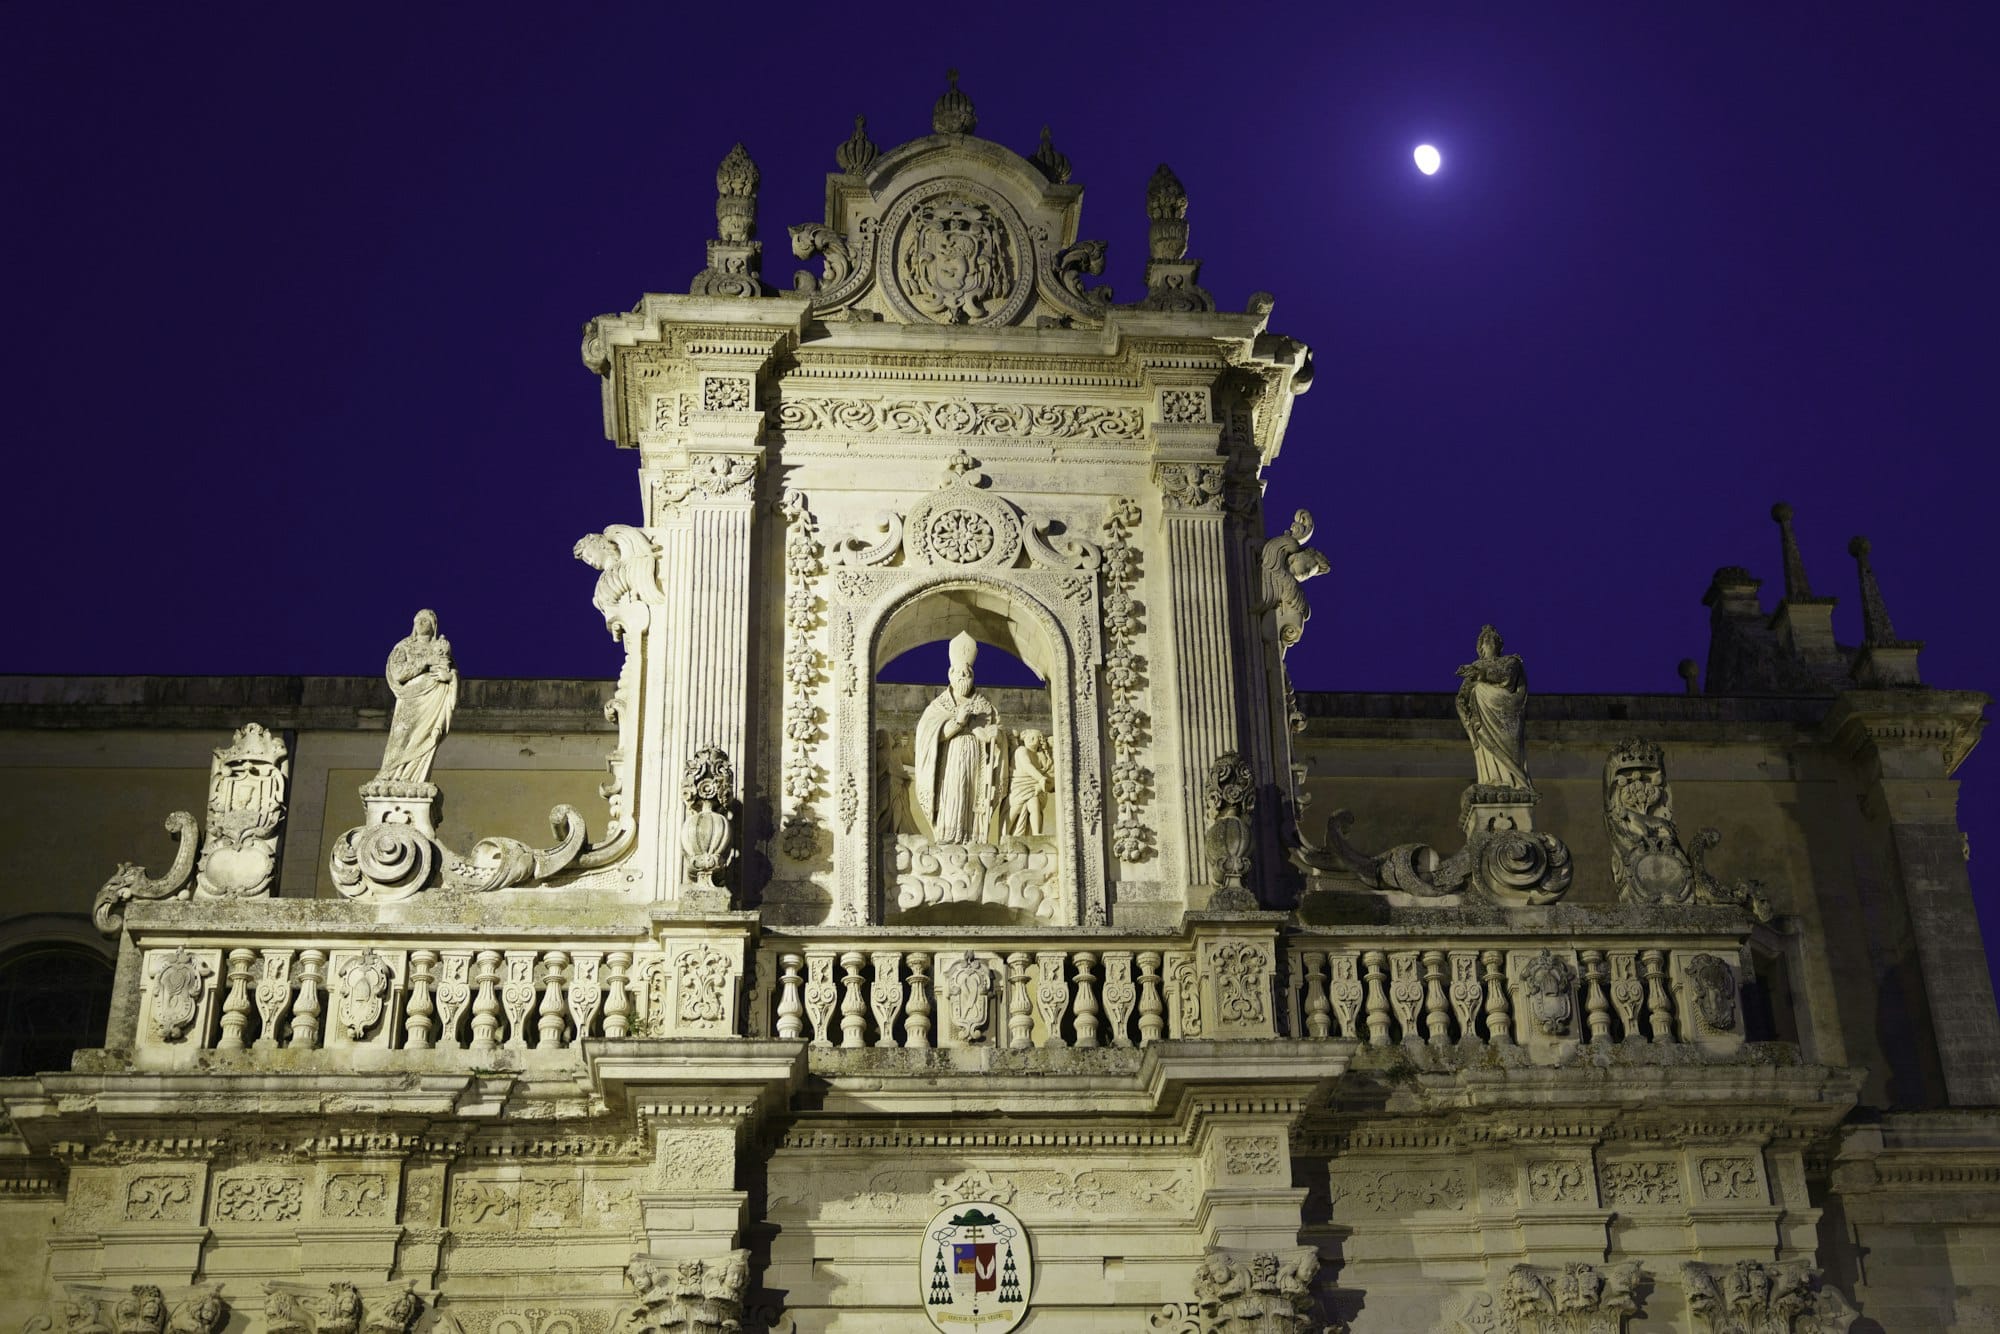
[(834, 1004)]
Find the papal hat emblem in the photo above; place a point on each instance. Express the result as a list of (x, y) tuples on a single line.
[(975, 1268)]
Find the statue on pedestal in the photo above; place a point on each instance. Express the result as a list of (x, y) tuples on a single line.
[(425, 682), (1492, 704)]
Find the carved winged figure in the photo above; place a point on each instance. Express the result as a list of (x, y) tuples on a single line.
[(1287, 563)]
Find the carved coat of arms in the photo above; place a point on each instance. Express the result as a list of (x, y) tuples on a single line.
[(955, 260), (975, 1269)]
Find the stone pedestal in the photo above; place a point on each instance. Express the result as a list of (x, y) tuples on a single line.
[(1485, 809), (412, 804)]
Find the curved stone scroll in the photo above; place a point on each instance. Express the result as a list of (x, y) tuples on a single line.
[(1511, 867), (389, 860), (131, 882)]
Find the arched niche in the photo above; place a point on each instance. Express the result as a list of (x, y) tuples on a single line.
[(1048, 623)]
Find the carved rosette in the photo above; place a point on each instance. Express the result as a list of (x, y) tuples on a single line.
[(804, 563), (1124, 684)]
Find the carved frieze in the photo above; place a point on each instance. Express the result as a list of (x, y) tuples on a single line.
[(929, 418), (1401, 1190)]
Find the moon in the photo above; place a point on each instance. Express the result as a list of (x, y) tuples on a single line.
[(1428, 159)]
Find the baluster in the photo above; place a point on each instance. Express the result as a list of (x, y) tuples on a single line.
[(1626, 992), (418, 1020), (1596, 1008), (1119, 994), (821, 995), (486, 1002), (617, 1001), (1052, 994), (549, 1027), (917, 1020), (791, 1007), (1345, 992), (1372, 963), (1437, 1013), (853, 1013), (1499, 1017), (274, 997), (518, 995), (885, 997), (1020, 1004), (453, 993), (1659, 1002), (236, 1004), (1086, 999), (1406, 992), (1319, 1011), (1465, 993), (306, 1009), (585, 992), (1152, 1010)]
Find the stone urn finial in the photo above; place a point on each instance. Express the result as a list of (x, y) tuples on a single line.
[(953, 113)]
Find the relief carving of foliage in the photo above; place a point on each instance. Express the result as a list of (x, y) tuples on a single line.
[(259, 1199), (159, 1197), (1402, 1188), (1556, 1182)]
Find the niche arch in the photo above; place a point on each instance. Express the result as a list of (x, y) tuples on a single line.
[(1048, 620)]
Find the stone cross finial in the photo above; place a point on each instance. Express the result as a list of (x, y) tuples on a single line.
[(858, 151), (1875, 626), (953, 113), (1797, 588)]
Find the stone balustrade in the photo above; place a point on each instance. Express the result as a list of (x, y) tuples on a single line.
[(510, 999)]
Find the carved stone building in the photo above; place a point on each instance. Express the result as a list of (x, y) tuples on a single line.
[(1159, 996)]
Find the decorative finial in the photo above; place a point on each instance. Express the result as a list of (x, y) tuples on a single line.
[(1690, 675), (736, 181), (735, 256), (855, 155), (1875, 627), (1053, 164), (953, 113), (1166, 206), (1797, 588)]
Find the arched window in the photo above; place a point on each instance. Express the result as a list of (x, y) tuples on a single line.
[(54, 998)]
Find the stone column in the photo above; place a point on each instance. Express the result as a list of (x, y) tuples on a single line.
[(701, 503), (1202, 645), (1907, 744)]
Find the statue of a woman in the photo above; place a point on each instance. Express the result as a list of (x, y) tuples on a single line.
[(421, 674), (1493, 703), (961, 756)]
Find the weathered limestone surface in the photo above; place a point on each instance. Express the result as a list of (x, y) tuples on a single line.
[(749, 991)]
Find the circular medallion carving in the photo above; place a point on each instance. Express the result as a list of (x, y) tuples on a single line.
[(956, 253), (959, 536)]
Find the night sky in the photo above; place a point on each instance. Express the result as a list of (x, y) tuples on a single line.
[(293, 302)]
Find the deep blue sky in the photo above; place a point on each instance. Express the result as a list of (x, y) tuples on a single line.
[(293, 299)]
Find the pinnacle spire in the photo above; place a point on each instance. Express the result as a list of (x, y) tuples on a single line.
[(1797, 587), (1053, 164), (1875, 626)]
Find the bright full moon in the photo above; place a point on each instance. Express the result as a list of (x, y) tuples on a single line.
[(1428, 159)]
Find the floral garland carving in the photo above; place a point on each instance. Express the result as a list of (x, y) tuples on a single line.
[(804, 562), (1124, 717)]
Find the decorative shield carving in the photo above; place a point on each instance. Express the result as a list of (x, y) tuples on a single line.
[(975, 1270), (957, 254)]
